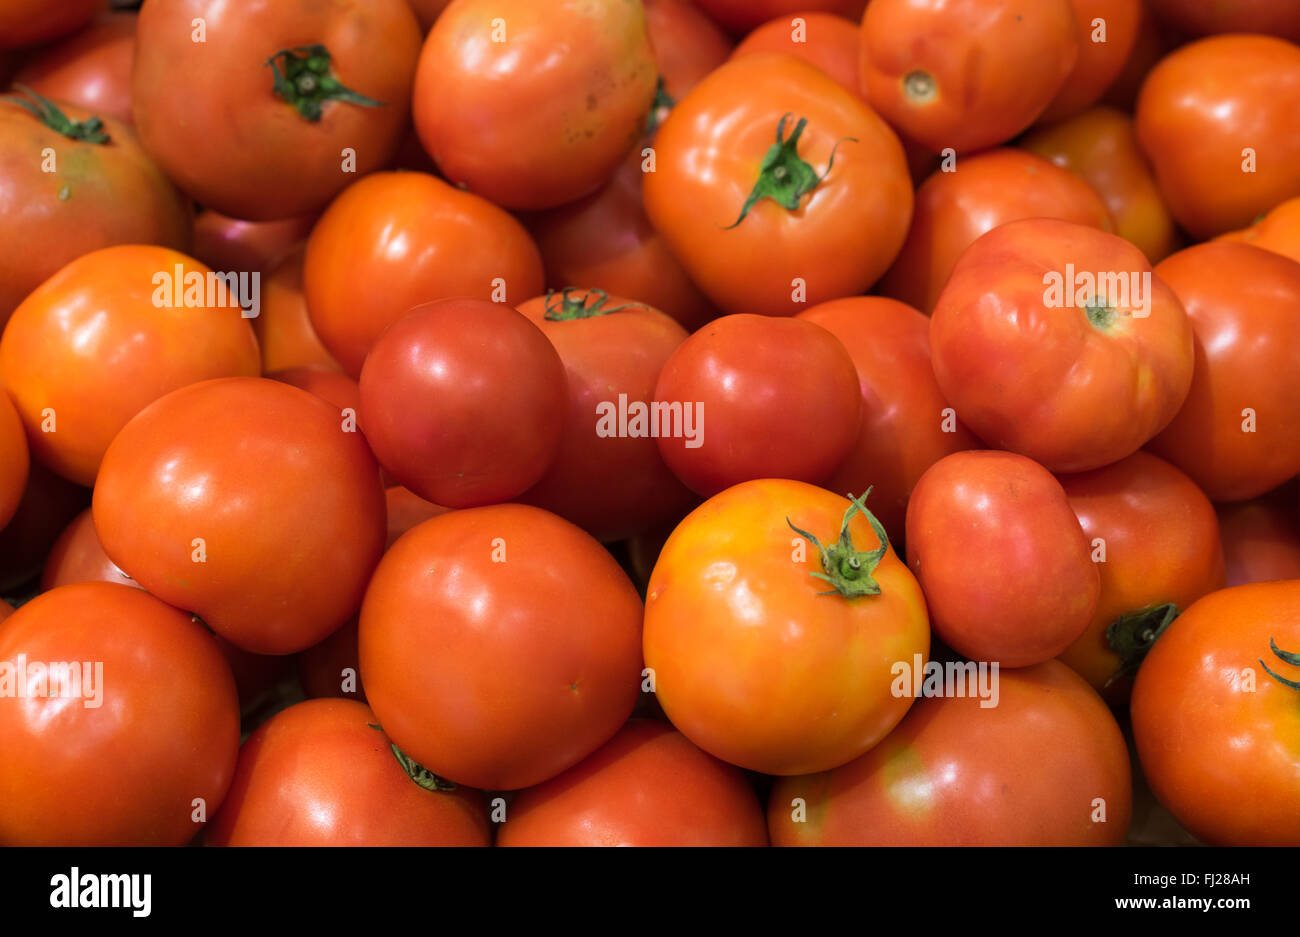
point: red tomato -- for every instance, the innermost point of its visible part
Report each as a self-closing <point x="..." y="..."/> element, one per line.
<point x="280" y="104"/>
<point x="284" y="331"/>
<point x="5" y="609"/>
<point x="1001" y="557"/>
<point x="1046" y="766"/>
<point x="740" y="16"/>
<point x="1155" y="541"/>
<point x="405" y="510"/>
<point x="907" y="426"/>
<point x="49" y="503"/>
<point x="1107" y="31"/>
<point x="16" y="460"/>
<point x="752" y="657"/>
<point x="1101" y="146"/>
<point x="28" y="22"/>
<point x="611" y="483"/>
<point x="105" y="336"/>
<point x="1238" y="434"/>
<point x="965" y="74"/>
<point x="759" y="397"/>
<point x="91" y="69"/>
<point x="1278" y="231"/>
<point x="1222" y="109"/>
<point x="1274" y="17"/>
<point x="686" y="44"/>
<point x="823" y="39"/>
<point x="1261" y="540"/>
<point x="322" y="773"/>
<point x="78" y="556"/>
<point x="395" y="240"/>
<point x="156" y="726"/>
<point x="333" y="667"/>
<point x="230" y="244"/>
<point x="1040" y="320"/>
<point x="513" y="663"/>
<point x="954" y="208"/>
<point x="647" y="786"/>
<point x="1214" y="715"/>
<point x="334" y="387"/>
<point x="103" y="190"/>
<point x="506" y="116"/>
<point x="244" y="501"/>
<point x="765" y="227"/>
<point x="463" y="402"/>
<point x="1151" y="44"/>
<point x="428" y="11"/>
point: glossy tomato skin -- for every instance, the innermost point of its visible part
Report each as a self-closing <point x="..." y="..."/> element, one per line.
<point x="285" y="336"/>
<point x="647" y="786"/>
<point x="463" y="402"/>
<point x="150" y="762"/>
<point x="1027" y="772"/>
<point x="1278" y="231"/>
<point x="1238" y="434"/>
<point x="519" y="659"/>
<point x="98" y="194"/>
<point x="709" y="154"/>
<point x="825" y="40"/>
<point x="29" y="22"/>
<point x="1026" y="346"/>
<point x="967" y="74"/>
<point x="1002" y="559"/>
<point x="741" y="16"/>
<point x="769" y="398"/>
<point x="91" y="69"/>
<point x="1107" y="31"/>
<point x="906" y="425"/>
<point x="1154" y="538"/>
<point x="95" y="344"/>
<point x="225" y="243"/>
<point x="611" y="486"/>
<point x="1272" y="17"/>
<point x="260" y="159"/>
<point x="1199" y="111"/>
<point x="989" y="189"/>
<point x="323" y="773"/>
<point x="1261" y="539"/>
<point x="687" y="44"/>
<point x="1210" y="722"/>
<point x="185" y="500"/>
<point x="751" y="661"/>
<point x="504" y="115"/>
<point x="15" y="459"/>
<point x="78" y="556"/>
<point x="397" y="239"/>
<point x="1100" y="145"/>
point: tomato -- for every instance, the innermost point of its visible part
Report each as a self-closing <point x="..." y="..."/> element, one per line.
<point x="1058" y="342"/>
<point x="255" y="246"/>
<point x="428" y="11"/>
<point x="280" y="105"/>
<point x="463" y="402"/>
<point x="686" y="44"/>
<point x="15" y="459"/>
<point x="395" y="240"/>
<point x="513" y="663"/>
<point x="1002" y="559"/>
<point x="49" y="503"/>
<point x="245" y="502"/>
<point x="156" y="726"/>
<point x="753" y="658"/>
<point x="965" y="74"/>
<point x="1220" y="109"/>
<point x="1101" y="146"/>
<point x="756" y="397"/>
<point x="91" y="69"/>
<point x="906" y="426"/>
<point x="100" y="192"/>
<point x="104" y="337"/>
<point x="335" y="388"/>
<point x="78" y="556"/>
<point x="1277" y="231"/>
<point x="607" y="478"/>
<point x="1155" y="541"/>
<point x="647" y="786"/>
<point x="502" y="114"/>
<point x="322" y="773"/>
<point x="1238" y="434"/>
<point x="1046" y="766"/>
<point x="1261" y="539"/>
<point x="1274" y="17"/>
<point x="823" y="39"/>
<point x="1214" y="715"/>
<point x="986" y="190"/>
<point x="1151" y="44"/>
<point x="741" y="16"/>
<point x="332" y="668"/>
<point x="405" y="510"/>
<point x="285" y="335"/>
<point x="1107" y="31"/>
<point x="765" y="227"/>
<point x="28" y="22"/>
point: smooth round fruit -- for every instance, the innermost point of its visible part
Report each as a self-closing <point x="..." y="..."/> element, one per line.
<point x="1107" y="31"/>
<point x="91" y="68"/>
<point x="1261" y="539"/>
<point x="825" y="40"/>
<point x="285" y="335"/>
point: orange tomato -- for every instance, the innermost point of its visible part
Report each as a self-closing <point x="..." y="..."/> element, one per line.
<point x="284" y="333"/>
<point x="1278" y="231"/>
<point x="830" y="42"/>
<point x="743" y="15"/>
<point x="687" y="44"/>
<point x="1107" y="32"/>
<point x="91" y="68"/>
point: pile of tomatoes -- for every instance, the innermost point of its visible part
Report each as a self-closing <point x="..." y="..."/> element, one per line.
<point x="728" y="422"/>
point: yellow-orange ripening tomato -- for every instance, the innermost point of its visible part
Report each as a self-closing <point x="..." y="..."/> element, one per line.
<point x="966" y="74"/>
<point x="1217" y="120"/>
<point x="534" y="104"/>
<point x="109" y="334"/>
<point x="777" y="188"/>
<point x="777" y="617"/>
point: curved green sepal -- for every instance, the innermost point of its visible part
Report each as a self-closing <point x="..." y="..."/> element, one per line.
<point x="1132" y="635"/>
<point x="302" y="77"/>
<point x="783" y="176"/>
<point x="564" y="306"/>
<point x="847" y="569"/>
<point x="1285" y="656"/>
<point x="90" y="130"/>
<point x="659" y="108"/>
